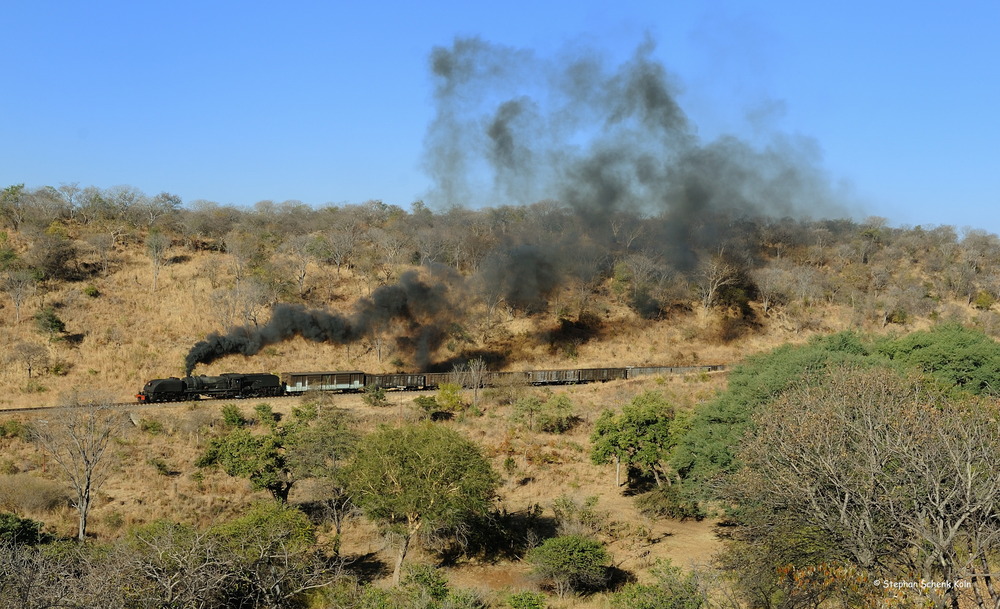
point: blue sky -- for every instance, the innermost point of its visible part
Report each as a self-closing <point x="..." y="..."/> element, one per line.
<point x="330" y="102"/>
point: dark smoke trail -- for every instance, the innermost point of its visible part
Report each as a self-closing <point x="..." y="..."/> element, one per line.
<point x="603" y="140"/>
<point x="410" y="300"/>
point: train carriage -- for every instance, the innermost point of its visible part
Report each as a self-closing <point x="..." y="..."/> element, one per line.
<point x="300" y="382"/>
<point x="602" y="375"/>
<point x="436" y="379"/>
<point x="553" y="377"/>
<point x="408" y="382"/>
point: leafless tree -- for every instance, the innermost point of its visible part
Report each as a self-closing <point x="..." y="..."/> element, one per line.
<point x="77" y="440"/>
<point x="471" y="375"/>
<point x="31" y="356"/>
<point x="770" y="282"/>
<point x="103" y="244"/>
<point x="157" y="245"/>
<point x="714" y="274"/>
<point x="903" y="479"/>
<point x="244" y="251"/>
<point x="301" y="250"/>
<point x="30" y="579"/>
<point x="340" y="246"/>
<point x="245" y="303"/>
<point x="20" y="285"/>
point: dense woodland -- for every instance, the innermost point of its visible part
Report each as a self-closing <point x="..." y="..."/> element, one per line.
<point x="849" y="451"/>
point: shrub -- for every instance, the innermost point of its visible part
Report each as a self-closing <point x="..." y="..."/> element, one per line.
<point x="27" y="493"/>
<point x="375" y="396"/>
<point x="161" y="467"/>
<point x="983" y="300"/>
<point x="232" y="416"/>
<point x="15" y="429"/>
<point x="425" y="582"/>
<point x="449" y="397"/>
<point x="91" y="291"/>
<point x="17" y="530"/>
<point x="554" y="415"/>
<point x="571" y="563"/>
<point x="265" y="414"/>
<point x="672" y="590"/>
<point x="557" y="415"/>
<point x="151" y="426"/>
<point x="526" y="600"/>
<point x="48" y="322"/>
<point x="669" y="502"/>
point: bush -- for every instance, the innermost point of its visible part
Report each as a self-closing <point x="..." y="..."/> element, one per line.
<point x="557" y="415"/>
<point x="15" y="429"/>
<point x="151" y="426"/>
<point x="26" y="493"/>
<point x="526" y="600"/>
<point x="672" y="590"/>
<point x="91" y="291"/>
<point x="232" y="416"/>
<point x="426" y="403"/>
<point x="669" y="502"/>
<point x="449" y="397"/>
<point x="265" y="414"/>
<point x="554" y="415"/>
<point x="161" y="467"/>
<point x="17" y="530"/>
<point x="48" y="322"/>
<point x="375" y="396"/>
<point x="425" y="582"/>
<point x="571" y="563"/>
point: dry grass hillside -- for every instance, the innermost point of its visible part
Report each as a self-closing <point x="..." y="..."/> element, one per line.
<point x="120" y="332"/>
<point x="154" y="477"/>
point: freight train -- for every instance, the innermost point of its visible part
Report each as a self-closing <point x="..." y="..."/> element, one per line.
<point x="233" y="386"/>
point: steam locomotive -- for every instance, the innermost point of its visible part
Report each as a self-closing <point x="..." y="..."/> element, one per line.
<point x="235" y="386"/>
<point x="224" y="386"/>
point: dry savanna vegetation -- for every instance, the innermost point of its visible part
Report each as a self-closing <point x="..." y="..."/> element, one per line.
<point x="763" y="486"/>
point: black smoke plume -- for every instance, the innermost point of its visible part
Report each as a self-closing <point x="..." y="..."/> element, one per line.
<point x="419" y="305"/>
<point x="515" y="128"/>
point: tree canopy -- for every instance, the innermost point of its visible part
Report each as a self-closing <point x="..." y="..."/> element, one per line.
<point x="420" y="477"/>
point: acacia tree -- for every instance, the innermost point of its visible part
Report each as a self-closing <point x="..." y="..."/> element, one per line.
<point x="30" y="355"/>
<point x="418" y="478"/>
<point x="77" y="440"/>
<point x="640" y="436"/>
<point x="882" y="472"/>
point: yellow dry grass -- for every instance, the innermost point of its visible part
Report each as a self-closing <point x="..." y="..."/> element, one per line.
<point x="128" y="334"/>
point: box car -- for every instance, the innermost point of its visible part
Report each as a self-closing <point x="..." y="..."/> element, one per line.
<point x="300" y="382"/>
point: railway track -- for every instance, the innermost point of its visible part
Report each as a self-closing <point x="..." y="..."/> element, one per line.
<point x="635" y="372"/>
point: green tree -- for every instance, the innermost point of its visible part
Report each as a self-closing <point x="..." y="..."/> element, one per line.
<point x="12" y="205"/>
<point x="570" y="563"/>
<point x="707" y="449"/>
<point x="418" y="478"/>
<point x="639" y="437"/>
<point x="49" y="322"/>
<point x="261" y="459"/>
<point x="955" y="355"/>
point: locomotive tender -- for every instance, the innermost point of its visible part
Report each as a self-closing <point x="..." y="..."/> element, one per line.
<point x="231" y="385"/>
